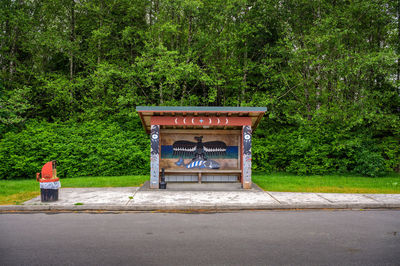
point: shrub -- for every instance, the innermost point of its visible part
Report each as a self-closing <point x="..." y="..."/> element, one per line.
<point x="369" y="163"/>
<point x="90" y="148"/>
<point x="122" y="148"/>
<point x="321" y="148"/>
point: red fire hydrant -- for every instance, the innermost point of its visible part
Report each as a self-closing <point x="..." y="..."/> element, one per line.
<point x="49" y="182"/>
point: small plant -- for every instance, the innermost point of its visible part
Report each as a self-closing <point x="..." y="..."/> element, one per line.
<point x="130" y="197"/>
<point x="370" y="163"/>
<point x="78" y="203"/>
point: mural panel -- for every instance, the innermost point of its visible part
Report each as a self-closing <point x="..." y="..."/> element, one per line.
<point x="200" y="151"/>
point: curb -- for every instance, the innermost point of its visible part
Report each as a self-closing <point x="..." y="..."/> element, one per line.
<point x="225" y="207"/>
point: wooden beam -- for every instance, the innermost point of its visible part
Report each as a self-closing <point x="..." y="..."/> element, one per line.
<point x="202" y="131"/>
<point x="143" y="123"/>
<point x="260" y="116"/>
<point x="200" y="121"/>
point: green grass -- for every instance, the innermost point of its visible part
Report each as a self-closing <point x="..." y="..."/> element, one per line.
<point x="18" y="191"/>
<point x="105" y="181"/>
<point x="328" y="183"/>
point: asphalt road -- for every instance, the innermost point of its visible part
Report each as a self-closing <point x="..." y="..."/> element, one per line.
<point x="242" y="238"/>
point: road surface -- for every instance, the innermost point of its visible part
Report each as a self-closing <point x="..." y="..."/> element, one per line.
<point x="241" y="238"/>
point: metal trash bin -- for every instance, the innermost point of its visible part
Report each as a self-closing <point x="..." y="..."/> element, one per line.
<point x="162" y="184"/>
<point x="49" y="182"/>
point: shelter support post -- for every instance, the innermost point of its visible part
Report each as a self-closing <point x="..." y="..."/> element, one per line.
<point x="246" y="157"/>
<point x="155" y="156"/>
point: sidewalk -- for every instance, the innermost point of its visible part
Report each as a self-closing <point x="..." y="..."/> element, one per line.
<point x="223" y="197"/>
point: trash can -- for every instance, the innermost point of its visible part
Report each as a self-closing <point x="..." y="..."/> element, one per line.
<point x="49" y="191"/>
<point x="162" y="184"/>
<point x="49" y="182"/>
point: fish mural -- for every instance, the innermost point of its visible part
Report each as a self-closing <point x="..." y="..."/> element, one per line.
<point x="199" y="151"/>
<point x="200" y="164"/>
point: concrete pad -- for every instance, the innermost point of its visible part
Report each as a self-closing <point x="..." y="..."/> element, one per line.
<point x="346" y="198"/>
<point x="193" y="198"/>
<point x="385" y="198"/>
<point x="90" y="196"/>
<point x="298" y="198"/>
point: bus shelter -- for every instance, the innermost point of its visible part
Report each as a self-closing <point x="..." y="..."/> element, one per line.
<point x="200" y="144"/>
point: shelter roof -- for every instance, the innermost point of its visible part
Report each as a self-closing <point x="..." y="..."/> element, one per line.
<point x="198" y="117"/>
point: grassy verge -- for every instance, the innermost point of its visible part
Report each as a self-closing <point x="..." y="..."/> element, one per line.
<point x="328" y="183"/>
<point x="18" y="191"/>
<point x="105" y="181"/>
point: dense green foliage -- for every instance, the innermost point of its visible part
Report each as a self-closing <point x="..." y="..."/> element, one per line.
<point x="90" y="148"/>
<point x="322" y="149"/>
<point x="72" y="73"/>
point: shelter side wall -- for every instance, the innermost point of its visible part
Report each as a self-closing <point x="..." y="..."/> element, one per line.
<point x="246" y="165"/>
<point x="155" y="156"/>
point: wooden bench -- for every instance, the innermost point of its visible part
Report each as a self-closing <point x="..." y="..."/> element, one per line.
<point x="201" y="172"/>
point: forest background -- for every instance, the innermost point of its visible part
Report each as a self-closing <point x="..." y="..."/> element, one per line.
<point x="72" y="73"/>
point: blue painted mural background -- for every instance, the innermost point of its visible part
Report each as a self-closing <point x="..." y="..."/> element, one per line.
<point x="167" y="153"/>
